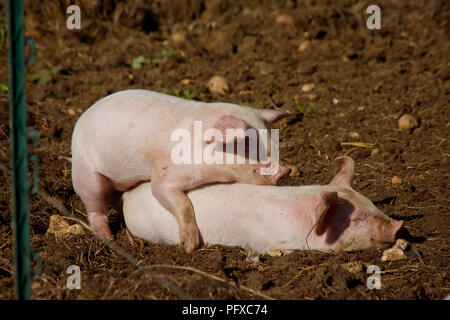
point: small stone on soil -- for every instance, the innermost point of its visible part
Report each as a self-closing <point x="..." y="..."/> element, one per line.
<point x="307" y="87"/>
<point x="218" y="84"/>
<point x="284" y="19"/>
<point x="396" y="180"/>
<point x="303" y="46"/>
<point x="354" y="135"/>
<point x="274" y="253"/>
<point x="407" y="122"/>
<point x="353" y="267"/>
<point x="393" y="254"/>
<point x="375" y="152"/>
<point x="397" y="252"/>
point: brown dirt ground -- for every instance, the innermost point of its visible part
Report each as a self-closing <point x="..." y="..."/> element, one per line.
<point x="376" y="76"/>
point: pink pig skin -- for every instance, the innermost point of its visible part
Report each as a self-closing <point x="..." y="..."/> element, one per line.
<point x="327" y="218"/>
<point x="125" y="139"/>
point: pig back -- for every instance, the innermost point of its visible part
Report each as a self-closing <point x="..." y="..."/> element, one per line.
<point x="131" y="114"/>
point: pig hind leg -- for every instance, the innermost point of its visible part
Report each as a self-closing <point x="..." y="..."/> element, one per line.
<point x="94" y="190"/>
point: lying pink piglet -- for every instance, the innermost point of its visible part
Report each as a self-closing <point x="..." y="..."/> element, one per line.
<point x="125" y="139"/>
<point x="326" y="218"/>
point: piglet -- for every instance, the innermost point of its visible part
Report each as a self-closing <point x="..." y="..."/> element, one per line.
<point x="327" y="218"/>
<point x="126" y="138"/>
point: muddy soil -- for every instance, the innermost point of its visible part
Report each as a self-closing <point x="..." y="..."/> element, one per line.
<point x="364" y="81"/>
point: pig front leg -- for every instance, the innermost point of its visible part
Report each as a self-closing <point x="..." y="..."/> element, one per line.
<point x="177" y="203"/>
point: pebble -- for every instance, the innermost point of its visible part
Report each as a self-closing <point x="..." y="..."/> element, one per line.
<point x="307" y="87"/>
<point x="284" y="19"/>
<point x="71" y="112"/>
<point x="396" y="180"/>
<point x="375" y="152"/>
<point x="303" y="46"/>
<point x="354" y="135"/>
<point x="178" y="37"/>
<point x="393" y="254"/>
<point x="353" y="267"/>
<point x="185" y="82"/>
<point x="407" y="122"/>
<point x="218" y="84"/>
<point x="274" y="253"/>
<point x="397" y="252"/>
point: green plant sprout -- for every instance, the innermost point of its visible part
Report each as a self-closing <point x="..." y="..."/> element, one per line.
<point x="310" y="108"/>
<point x="163" y="56"/>
<point x="43" y="76"/>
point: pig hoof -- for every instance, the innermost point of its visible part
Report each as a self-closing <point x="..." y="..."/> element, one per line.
<point x="189" y="246"/>
<point x="189" y="237"/>
<point x="190" y="243"/>
<point x="105" y="232"/>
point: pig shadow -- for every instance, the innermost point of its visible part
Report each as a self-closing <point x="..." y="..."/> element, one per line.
<point x="405" y="234"/>
<point x="338" y="219"/>
<point x="408" y="218"/>
<point x="116" y="221"/>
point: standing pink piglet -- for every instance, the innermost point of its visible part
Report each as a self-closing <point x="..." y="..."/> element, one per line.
<point x="125" y="139"/>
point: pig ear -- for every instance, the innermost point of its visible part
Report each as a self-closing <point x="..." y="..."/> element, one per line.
<point x="345" y="175"/>
<point x="271" y="116"/>
<point x="325" y="210"/>
<point x="230" y="122"/>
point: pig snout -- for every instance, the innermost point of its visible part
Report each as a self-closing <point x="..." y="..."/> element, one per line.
<point x="386" y="230"/>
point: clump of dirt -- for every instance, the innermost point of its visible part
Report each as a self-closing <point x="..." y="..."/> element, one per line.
<point x="363" y="82"/>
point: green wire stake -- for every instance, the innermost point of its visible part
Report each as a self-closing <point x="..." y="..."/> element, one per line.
<point x="19" y="154"/>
